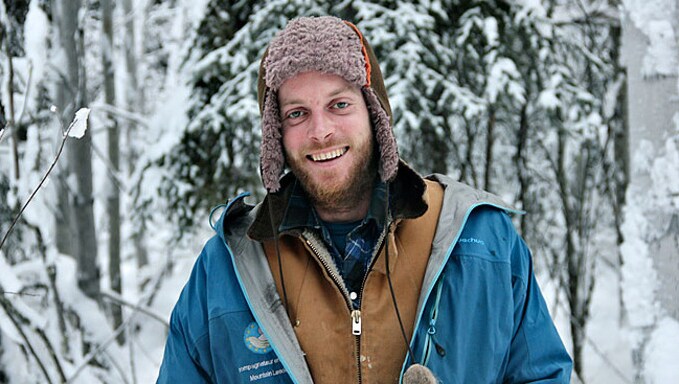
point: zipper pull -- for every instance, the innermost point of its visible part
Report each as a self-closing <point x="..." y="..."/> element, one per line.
<point x="356" y="322"/>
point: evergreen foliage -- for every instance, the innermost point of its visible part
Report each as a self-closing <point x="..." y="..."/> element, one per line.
<point x="218" y="155"/>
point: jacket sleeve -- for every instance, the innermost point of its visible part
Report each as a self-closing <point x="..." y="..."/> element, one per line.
<point x="180" y="360"/>
<point x="537" y="354"/>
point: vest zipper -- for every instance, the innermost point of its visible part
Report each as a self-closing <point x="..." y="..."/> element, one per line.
<point x="355" y="314"/>
<point x="356" y="322"/>
<point x="333" y="275"/>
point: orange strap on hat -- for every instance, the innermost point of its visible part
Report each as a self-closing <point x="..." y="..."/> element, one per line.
<point x="365" y="52"/>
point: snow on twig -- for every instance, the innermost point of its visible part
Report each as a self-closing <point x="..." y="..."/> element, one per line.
<point x="78" y="126"/>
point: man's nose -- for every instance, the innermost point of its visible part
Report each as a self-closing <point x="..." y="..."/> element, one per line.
<point x="321" y="128"/>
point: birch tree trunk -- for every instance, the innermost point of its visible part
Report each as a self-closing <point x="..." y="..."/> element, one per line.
<point x="113" y="191"/>
<point x="63" y="99"/>
<point x="134" y="103"/>
<point x="71" y="96"/>
<point x="6" y="42"/>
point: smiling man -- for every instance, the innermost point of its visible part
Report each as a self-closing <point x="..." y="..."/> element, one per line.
<point x="328" y="143"/>
<point x="354" y="268"/>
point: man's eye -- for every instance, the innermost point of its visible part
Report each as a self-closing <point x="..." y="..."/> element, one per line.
<point x="294" y="114"/>
<point x="341" y="105"/>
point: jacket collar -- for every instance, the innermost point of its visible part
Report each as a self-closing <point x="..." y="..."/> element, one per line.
<point x="406" y="196"/>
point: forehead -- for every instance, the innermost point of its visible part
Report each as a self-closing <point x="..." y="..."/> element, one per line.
<point x="314" y="85"/>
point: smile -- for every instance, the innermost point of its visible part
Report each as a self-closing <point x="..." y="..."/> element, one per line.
<point x="331" y="155"/>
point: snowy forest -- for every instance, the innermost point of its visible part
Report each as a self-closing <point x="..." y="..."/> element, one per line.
<point x="123" y="123"/>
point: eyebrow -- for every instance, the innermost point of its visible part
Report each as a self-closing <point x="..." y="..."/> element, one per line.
<point x="334" y="93"/>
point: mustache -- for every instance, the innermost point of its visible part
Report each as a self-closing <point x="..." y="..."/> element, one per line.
<point x="324" y="146"/>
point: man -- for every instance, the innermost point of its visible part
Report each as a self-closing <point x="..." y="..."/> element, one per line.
<point x="354" y="268"/>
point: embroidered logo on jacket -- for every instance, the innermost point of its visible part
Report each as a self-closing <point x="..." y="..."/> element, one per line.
<point x="255" y="339"/>
<point x="472" y="240"/>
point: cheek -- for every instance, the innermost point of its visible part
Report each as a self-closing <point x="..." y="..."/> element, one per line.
<point x="293" y="140"/>
<point x="364" y="132"/>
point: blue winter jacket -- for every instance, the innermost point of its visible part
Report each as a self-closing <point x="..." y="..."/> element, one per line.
<point x="481" y="315"/>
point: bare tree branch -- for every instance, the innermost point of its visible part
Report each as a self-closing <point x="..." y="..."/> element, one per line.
<point x="112" y="296"/>
<point x="101" y="347"/>
<point x="42" y="181"/>
<point x="11" y="312"/>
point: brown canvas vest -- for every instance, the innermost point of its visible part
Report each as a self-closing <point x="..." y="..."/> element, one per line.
<point x="320" y="313"/>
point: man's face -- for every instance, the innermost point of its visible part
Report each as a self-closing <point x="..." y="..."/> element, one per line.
<point x="327" y="138"/>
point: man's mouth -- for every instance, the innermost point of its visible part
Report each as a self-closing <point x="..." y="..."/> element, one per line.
<point x="326" y="156"/>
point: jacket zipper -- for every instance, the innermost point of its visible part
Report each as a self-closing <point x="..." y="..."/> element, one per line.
<point x="355" y="314"/>
<point x="431" y="331"/>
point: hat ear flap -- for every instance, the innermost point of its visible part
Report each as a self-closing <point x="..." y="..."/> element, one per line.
<point x="271" y="160"/>
<point x="384" y="135"/>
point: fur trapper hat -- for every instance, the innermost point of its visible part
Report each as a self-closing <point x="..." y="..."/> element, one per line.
<point x="330" y="45"/>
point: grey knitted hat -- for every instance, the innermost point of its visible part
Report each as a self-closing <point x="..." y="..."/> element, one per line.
<point x="329" y="45"/>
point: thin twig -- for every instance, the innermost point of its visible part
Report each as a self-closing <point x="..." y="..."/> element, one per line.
<point x="127" y="115"/>
<point x="42" y="181"/>
<point x="19" y="293"/>
<point x="86" y="360"/>
<point x="117" y="367"/>
<point x="28" y="90"/>
<point x="51" y="271"/>
<point x="9" y="309"/>
<point x="596" y="349"/>
<point x="130" y="349"/>
<point x="119" y="300"/>
<point x="115" y="175"/>
<point x="112" y="337"/>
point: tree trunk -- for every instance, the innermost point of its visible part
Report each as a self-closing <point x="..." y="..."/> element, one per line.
<point x="134" y="103"/>
<point x="63" y="99"/>
<point x="72" y="96"/>
<point x="113" y="191"/>
<point x="620" y="172"/>
<point x="520" y="160"/>
<point x="490" y="139"/>
<point x="10" y="94"/>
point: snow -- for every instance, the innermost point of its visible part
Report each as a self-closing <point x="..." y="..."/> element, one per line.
<point x="491" y="32"/>
<point x="639" y="276"/>
<point x="36" y="43"/>
<point x="661" y="57"/>
<point x="503" y="76"/>
<point x="79" y="124"/>
<point x="661" y="353"/>
<point x="655" y="19"/>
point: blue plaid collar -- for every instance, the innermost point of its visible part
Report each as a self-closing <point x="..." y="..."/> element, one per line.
<point x="301" y="214"/>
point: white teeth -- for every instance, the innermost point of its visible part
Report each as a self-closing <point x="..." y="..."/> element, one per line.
<point x="329" y="155"/>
